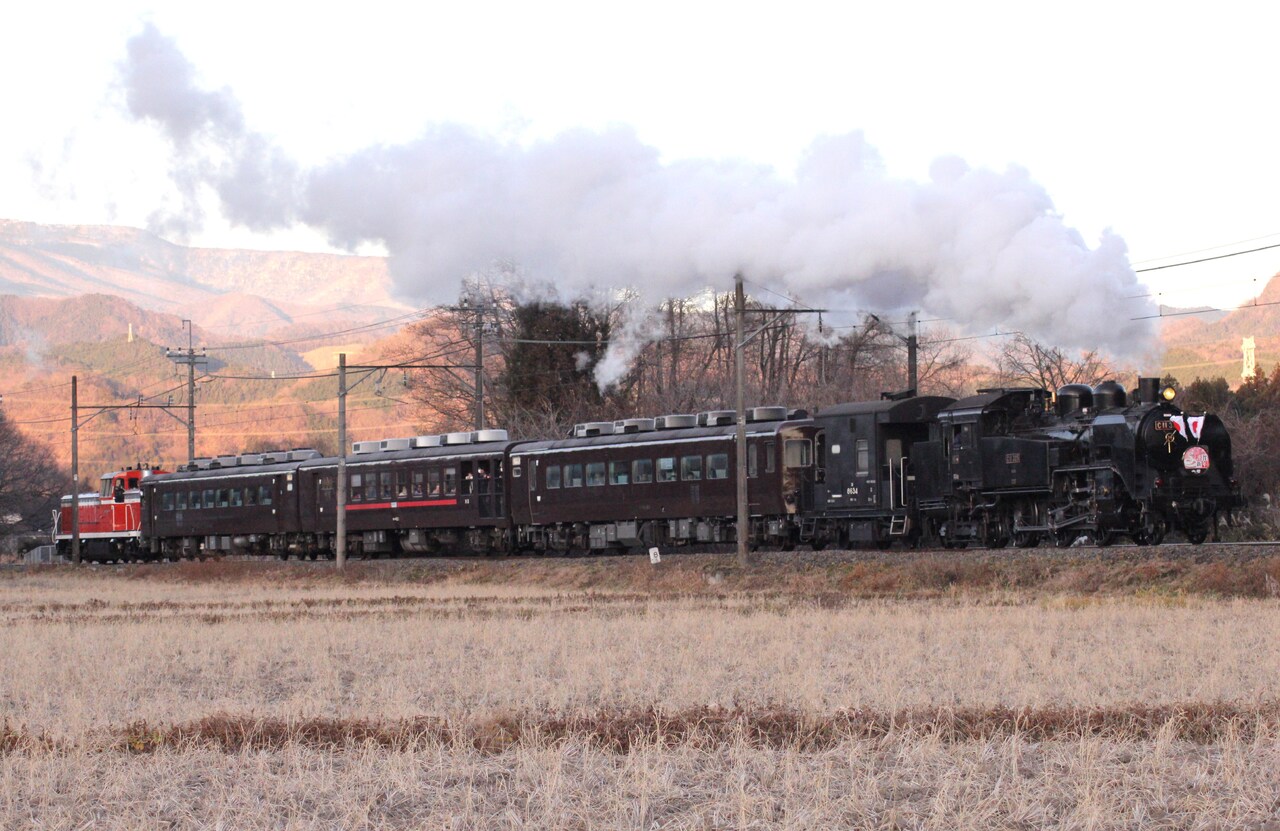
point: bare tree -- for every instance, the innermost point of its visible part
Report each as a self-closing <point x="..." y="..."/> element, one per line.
<point x="1023" y="360"/>
<point x="30" y="483"/>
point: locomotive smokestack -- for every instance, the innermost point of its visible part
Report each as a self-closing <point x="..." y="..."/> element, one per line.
<point x="1148" y="390"/>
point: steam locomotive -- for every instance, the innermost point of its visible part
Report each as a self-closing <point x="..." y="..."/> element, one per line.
<point x="1009" y="465"/>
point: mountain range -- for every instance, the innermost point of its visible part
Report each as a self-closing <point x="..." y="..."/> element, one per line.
<point x="103" y="303"/>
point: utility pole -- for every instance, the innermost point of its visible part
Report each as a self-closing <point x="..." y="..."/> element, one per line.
<point x="480" y="367"/>
<point x="744" y="519"/>
<point x="340" y="533"/>
<point x="913" y="381"/>
<point x="190" y="358"/>
<point x="75" y="475"/>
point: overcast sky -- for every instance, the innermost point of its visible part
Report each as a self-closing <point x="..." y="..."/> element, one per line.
<point x="1154" y="120"/>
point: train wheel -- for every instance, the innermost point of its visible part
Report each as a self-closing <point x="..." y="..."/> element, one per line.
<point x="1196" y="536"/>
<point x="1026" y="539"/>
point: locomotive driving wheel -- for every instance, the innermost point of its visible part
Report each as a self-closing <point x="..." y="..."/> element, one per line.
<point x="1151" y="529"/>
<point x="1197" y="535"/>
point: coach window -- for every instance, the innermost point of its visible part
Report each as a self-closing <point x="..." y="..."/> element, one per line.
<point x="667" y="469"/>
<point x="573" y="476"/>
<point x="553" y="477"/>
<point x="642" y="471"/>
<point x="619" y="473"/>
<point x="181" y="501"/>
<point x="264" y="494"/>
<point x="224" y="497"/>
<point x="195" y="502"/>
<point x="419" y="484"/>
<point x="402" y="484"/>
<point x="595" y="474"/>
<point x="770" y="456"/>
<point x="357" y="487"/>
<point x="387" y="490"/>
<point x="797" y="453"/>
<point x="863" y="453"/>
<point x="753" y="469"/>
<point x="237" y="497"/>
<point x="251" y="496"/>
<point x="718" y="466"/>
<point x="450" y="481"/>
<point x="210" y="498"/>
<point x="433" y="482"/>
<point x="166" y="502"/>
<point x="691" y="468"/>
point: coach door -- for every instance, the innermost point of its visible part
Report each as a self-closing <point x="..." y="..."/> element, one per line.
<point x="486" y="498"/>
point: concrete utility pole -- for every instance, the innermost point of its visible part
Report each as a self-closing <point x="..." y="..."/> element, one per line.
<point x="75" y="474"/>
<point x="480" y="367"/>
<point x="740" y="336"/>
<point x="190" y="358"/>
<point x="340" y="533"/>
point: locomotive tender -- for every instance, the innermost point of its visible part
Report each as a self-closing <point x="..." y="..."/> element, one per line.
<point x="1005" y="465"/>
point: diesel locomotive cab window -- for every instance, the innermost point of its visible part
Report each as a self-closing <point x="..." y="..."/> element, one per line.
<point x="595" y="474"/>
<point x="667" y="469"/>
<point x="619" y="473"/>
<point x="862" y="452"/>
<point x="691" y="468"/>
<point x="797" y="453"/>
<point x="553" y="477"/>
<point x="642" y="471"/>
<point x="718" y="466"/>
<point x="573" y="476"/>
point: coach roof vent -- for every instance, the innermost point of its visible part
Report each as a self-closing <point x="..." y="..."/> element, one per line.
<point x="250" y="458"/>
<point x="458" y="438"/>
<point x="633" y="425"/>
<point x="675" y="422"/>
<point x="481" y="436"/>
<point x="717" y="418"/>
<point x="767" y="414"/>
<point x="593" y="428"/>
<point x="395" y="444"/>
<point x="427" y="441"/>
<point x="362" y="447"/>
<point x="301" y="454"/>
<point x="228" y="461"/>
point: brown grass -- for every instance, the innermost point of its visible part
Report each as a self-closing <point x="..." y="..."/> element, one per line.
<point x="826" y="692"/>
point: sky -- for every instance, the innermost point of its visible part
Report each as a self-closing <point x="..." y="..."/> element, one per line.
<point x="1144" y="127"/>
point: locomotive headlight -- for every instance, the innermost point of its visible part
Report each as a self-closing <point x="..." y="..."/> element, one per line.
<point x="1196" y="459"/>
<point x="1169" y="393"/>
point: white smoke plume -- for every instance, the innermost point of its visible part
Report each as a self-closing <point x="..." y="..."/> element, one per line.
<point x="587" y="210"/>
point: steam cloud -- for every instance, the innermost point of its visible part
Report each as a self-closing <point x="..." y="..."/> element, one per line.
<point x="587" y="210"/>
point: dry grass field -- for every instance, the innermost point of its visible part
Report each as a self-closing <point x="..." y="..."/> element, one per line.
<point x="1034" y="690"/>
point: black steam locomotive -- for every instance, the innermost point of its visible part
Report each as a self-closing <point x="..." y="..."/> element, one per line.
<point x="1021" y="466"/>
<point x="1005" y="465"/>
